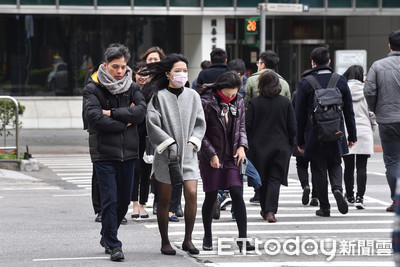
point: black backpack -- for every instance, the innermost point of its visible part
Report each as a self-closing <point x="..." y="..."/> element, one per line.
<point x="327" y="113"/>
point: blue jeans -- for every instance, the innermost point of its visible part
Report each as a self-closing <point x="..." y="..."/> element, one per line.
<point x="253" y="177"/>
<point x="390" y="140"/>
<point x="115" y="180"/>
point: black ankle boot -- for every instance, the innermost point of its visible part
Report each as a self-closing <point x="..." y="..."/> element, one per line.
<point x="207" y="243"/>
<point x="249" y="247"/>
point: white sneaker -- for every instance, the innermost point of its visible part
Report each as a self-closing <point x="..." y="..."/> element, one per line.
<point x="359" y="203"/>
<point x="149" y="203"/>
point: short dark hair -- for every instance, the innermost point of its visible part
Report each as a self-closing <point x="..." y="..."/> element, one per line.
<point x="236" y="65"/>
<point x="115" y="51"/>
<point x="270" y="59"/>
<point x="320" y="55"/>
<point x="205" y="64"/>
<point x="218" y="55"/>
<point x="354" y="72"/>
<point x="269" y="84"/>
<point x="394" y="40"/>
<point x="154" y="49"/>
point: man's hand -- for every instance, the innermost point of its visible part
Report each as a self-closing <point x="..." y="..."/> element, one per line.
<point x="300" y="149"/>
<point x="214" y="162"/>
<point x="107" y="112"/>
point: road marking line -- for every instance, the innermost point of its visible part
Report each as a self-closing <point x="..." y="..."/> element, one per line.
<point x="71" y="259"/>
<point x="85" y="195"/>
<point x="304" y="263"/>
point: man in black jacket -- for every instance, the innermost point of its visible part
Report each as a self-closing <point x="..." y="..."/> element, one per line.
<point x="113" y="106"/>
<point x="218" y="66"/>
<point x="324" y="156"/>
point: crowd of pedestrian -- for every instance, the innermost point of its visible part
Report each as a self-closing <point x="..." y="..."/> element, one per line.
<point x="151" y="134"/>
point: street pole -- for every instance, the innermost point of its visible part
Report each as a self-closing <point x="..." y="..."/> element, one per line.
<point x="263" y="26"/>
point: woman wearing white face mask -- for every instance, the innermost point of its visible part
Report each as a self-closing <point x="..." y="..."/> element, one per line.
<point x="175" y="126"/>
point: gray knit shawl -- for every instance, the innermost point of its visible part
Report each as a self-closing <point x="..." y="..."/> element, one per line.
<point x="115" y="87"/>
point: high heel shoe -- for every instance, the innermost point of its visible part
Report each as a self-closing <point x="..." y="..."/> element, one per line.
<point x="192" y="250"/>
<point x="207" y="244"/>
<point x="249" y="247"/>
<point x="168" y="252"/>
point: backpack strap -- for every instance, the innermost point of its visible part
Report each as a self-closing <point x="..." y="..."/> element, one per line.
<point x="333" y="80"/>
<point x="313" y="82"/>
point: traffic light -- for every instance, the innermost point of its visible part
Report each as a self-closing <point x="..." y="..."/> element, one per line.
<point x="251" y="31"/>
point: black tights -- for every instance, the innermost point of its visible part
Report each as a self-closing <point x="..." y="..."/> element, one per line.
<point x="239" y="210"/>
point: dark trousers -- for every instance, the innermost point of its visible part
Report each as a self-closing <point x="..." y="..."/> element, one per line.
<point x="390" y="140"/>
<point x="269" y="194"/>
<point x="348" y="176"/>
<point x="115" y="182"/>
<point x="302" y="172"/>
<point x="141" y="182"/>
<point x="323" y="165"/>
<point x="96" y="199"/>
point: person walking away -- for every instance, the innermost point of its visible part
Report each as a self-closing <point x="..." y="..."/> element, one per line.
<point x="222" y="151"/>
<point x="325" y="153"/>
<point x="175" y="126"/>
<point x="113" y="107"/>
<point x="382" y="92"/>
<point x="271" y="140"/>
<point x="359" y="154"/>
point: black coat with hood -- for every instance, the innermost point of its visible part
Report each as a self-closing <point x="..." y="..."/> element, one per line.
<point x="109" y="136"/>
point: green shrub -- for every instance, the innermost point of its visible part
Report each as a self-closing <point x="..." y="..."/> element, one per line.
<point x="7" y="116"/>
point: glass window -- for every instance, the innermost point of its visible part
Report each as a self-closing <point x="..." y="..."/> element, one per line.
<point x="38" y="2"/>
<point x="367" y="3"/>
<point x="283" y="1"/>
<point x="149" y="3"/>
<point x="313" y="3"/>
<point x="248" y="3"/>
<point x="339" y="3"/>
<point x="8" y="2"/>
<point x="54" y="54"/>
<point x="194" y="3"/>
<point x="76" y="2"/>
<point x="218" y="3"/>
<point x="114" y="2"/>
<point x="390" y="3"/>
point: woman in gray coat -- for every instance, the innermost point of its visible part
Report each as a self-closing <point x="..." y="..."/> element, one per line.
<point x="359" y="154"/>
<point x="175" y="125"/>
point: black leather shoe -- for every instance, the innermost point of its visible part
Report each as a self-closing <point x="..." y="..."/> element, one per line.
<point x="124" y="221"/>
<point x="323" y="213"/>
<point x="107" y="250"/>
<point x="192" y="250"/>
<point x="117" y="254"/>
<point x="168" y="252"/>
<point x="343" y="207"/>
<point x="207" y="244"/>
<point x="98" y="218"/>
<point x="306" y="195"/>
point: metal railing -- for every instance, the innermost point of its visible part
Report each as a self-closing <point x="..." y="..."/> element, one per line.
<point x="4" y="129"/>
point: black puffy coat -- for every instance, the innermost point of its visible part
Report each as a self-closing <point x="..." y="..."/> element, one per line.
<point x="109" y="136"/>
<point x="215" y="138"/>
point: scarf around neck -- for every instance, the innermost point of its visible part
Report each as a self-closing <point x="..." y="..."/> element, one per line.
<point x="115" y="87"/>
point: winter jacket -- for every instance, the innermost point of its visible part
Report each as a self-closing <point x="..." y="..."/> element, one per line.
<point x="307" y="135"/>
<point x="215" y="138"/>
<point x="109" y="136"/>
<point x="179" y="120"/>
<point x="271" y="128"/>
<point x="364" y="122"/>
<point x="252" y="85"/>
<point x="211" y="74"/>
<point x="382" y="89"/>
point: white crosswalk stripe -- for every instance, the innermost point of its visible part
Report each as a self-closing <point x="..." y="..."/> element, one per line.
<point x="362" y="236"/>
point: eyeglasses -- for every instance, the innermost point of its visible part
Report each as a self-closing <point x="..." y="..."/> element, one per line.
<point x="259" y="62"/>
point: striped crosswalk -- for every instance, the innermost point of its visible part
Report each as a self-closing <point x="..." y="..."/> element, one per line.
<point x="360" y="238"/>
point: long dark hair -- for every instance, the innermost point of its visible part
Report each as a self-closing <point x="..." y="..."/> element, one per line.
<point x="354" y="72"/>
<point x="156" y="70"/>
<point x="228" y="79"/>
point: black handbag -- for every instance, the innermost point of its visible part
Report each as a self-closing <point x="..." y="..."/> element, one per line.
<point x="243" y="167"/>
<point x="174" y="168"/>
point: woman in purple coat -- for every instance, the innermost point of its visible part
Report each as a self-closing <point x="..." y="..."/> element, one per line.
<point x="222" y="150"/>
